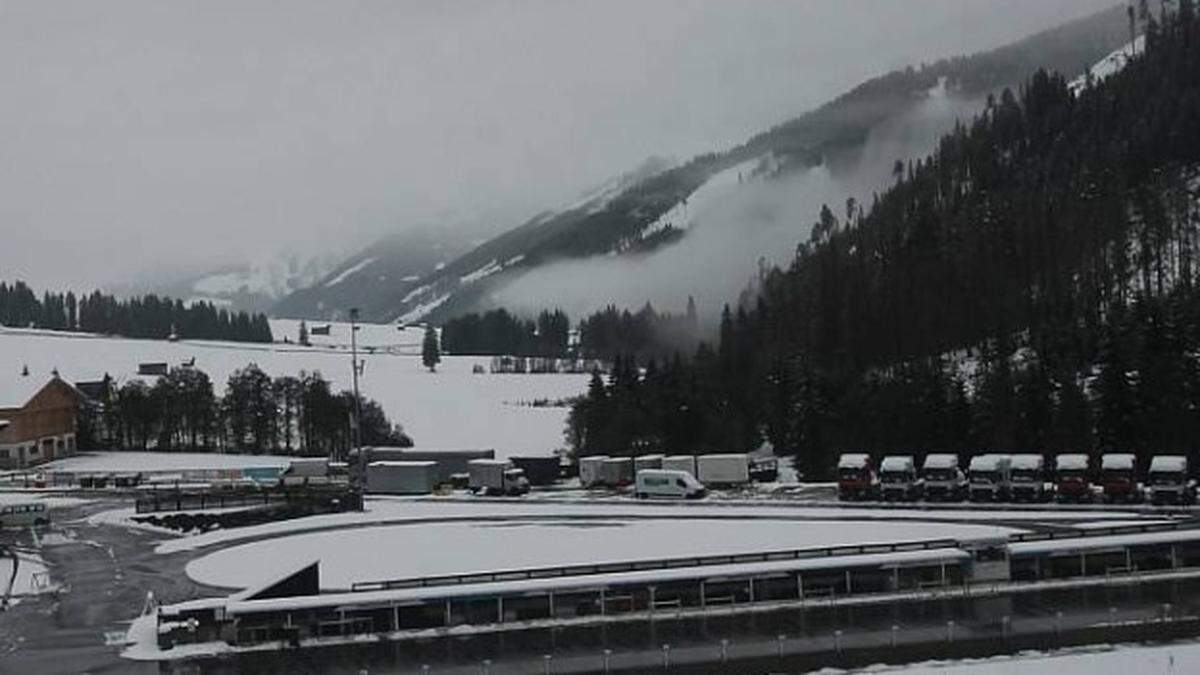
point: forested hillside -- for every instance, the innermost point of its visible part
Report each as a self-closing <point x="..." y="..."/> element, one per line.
<point x="1030" y="286"/>
<point x="146" y="316"/>
<point x="622" y="221"/>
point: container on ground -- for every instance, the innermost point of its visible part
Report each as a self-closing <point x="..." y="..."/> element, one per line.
<point x="591" y="470"/>
<point x="647" y="462"/>
<point x="617" y="471"/>
<point x="723" y="470"/>
<point x="401" y="478"/>
<point x="539" y="470"/>
<point x="680" y="463"/>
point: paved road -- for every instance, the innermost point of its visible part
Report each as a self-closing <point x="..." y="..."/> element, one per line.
<point x="105" y="573"/>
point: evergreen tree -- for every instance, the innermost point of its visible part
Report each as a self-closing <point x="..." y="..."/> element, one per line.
<point x="431" y="353"/>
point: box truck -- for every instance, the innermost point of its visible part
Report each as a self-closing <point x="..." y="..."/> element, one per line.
<point x="591" y="470"/>
<point x="723" y="470"/>
<point x="402" y="478"/>
<point x="944" y="480"/>
<point x="496" y="477"/>
<point x="856" y="477"/>
<point x="680" y="463"/>
<point x="1072" y="478"/>
<point x="668" y="483"/>
<point x="1169" y="482"/>
<point x="898" y="479"/>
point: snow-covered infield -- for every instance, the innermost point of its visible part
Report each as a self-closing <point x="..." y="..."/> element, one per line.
<point x="115" y="462"/>
<point x="452" y="408"/>
<point x="418" y="549"/>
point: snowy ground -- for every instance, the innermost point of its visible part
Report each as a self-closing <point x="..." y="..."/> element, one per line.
<point x="32" y="576"/>
<point x="452" y="408"/>
<point x="1171" y="659"/>
<point x="161" y="461"/>
<point x="450" y="548"/>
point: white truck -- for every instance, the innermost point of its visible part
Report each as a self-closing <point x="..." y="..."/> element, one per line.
<point x="944" y="480"/>
<point x="1028" y="479"/>
<point x="724" y="470"/>
<point x="668" y="483"/>
<point x="898" y="479"/>
<point x="496" y="477"/>
<point x="856" y="477"/>
<point x="989" y="475"/>
<point x="1169" y="480"/>
<point x="591" y="470"/>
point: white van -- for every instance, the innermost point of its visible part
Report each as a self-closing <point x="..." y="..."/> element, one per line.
<point x="668" y="483"/>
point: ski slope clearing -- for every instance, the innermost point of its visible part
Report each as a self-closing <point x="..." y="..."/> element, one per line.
<point x="398" y="551"/>
<point x="452" y="408"/>
<point x="1171" y="659"/>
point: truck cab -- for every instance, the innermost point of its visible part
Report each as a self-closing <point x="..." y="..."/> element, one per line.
<point x="898" y="479"/>
<point x="944" y="480"/>
<point x="1028" y="478"/>
<point x="1118" y="478"/>
<point x="669" y="484"/>
<point x="856" y="477"/>
<point x="1169" y="482"/>
<point x="1073" y="482"/>
<point x="989" y="475"/>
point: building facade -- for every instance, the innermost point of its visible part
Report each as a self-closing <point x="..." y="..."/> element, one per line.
<point x="40" y="428"/>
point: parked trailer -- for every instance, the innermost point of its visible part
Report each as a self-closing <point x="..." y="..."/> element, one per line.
<point x="308" y="466"/>
<point x="591" y="470"/>
<point x="1028" y="479"/>
<point x="1072" y="476"/>
<point x="1169" y="482"/>
<point x="617" y="471"/>
<point x="449" y="461"/>
<point x="402" y="478"/>
<point x="1118" y="478"/>
<point x="990" y="477"/>
<point x="642" y="462"/>
<point x="898" y="479"/>
<point x="680" y="463"/>
<point x="539" y="470"/>
<point x="496" y="477"/>
<point x="944" y="480"/>
<point x="723" y="470"/>
<point x="666" y="483"/>
<point x="856" y="477"/>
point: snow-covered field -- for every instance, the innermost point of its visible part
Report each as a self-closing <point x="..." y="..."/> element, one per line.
<point x="452" y="408"/>
<point x="1170" y="659"/>
<point x="388" y="552"/>
<point x="162" y="461"/>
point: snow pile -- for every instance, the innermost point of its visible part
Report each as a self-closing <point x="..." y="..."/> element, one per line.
<point x="1108" y="66"/>
<point x="357" y="267"/>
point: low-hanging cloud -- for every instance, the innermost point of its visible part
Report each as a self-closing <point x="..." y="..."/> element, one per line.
<point x="758" y="221"/>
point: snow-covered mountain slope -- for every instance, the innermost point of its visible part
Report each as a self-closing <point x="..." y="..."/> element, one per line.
<point x="1109" y="65"/>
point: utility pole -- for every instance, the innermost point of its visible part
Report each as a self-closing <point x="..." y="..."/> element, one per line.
<point x="354" y="369"/>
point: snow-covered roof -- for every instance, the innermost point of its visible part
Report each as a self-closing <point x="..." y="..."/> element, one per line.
<point x="988" y="462"/>
<point x="1168" y="463"/>
<point x="1072" y="462"/>
<point x="650" y="457"/>
<point x="1118" y="460"/>
<point x="404" y="464"/>
<point x="19" y="389"/>
<point x="739" y="455"/>
<point x="941" y="461"/>
<point x="485" y="462"/>
<point x="1028" y="462"/>
<point x="618" y="460"/>
<point x="853" y="460"/>
<point x="1102" y="542"/>
<point x="897" y="463"/>
<point x="593" y="459"/>
<point x="579" y="583"/>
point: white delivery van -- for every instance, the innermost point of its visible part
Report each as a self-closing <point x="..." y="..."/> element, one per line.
<point x="668" y="483"/>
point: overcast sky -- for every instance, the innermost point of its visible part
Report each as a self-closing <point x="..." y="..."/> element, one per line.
<point x="160" y="135"/>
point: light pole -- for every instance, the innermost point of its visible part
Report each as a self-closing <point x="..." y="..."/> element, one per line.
<point x="357" y="432"/>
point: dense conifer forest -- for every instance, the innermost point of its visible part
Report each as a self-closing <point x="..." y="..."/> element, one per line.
<point x="148" y="316"/>
<point x="1030" y="286"/>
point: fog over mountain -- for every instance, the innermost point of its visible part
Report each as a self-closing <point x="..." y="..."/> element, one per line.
<point x="151" y="138"/>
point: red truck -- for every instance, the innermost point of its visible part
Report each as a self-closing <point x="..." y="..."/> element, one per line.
<point x="856" y="477"/>
<point x="1118" y="477"/>
<point x="1072" y="478"/>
